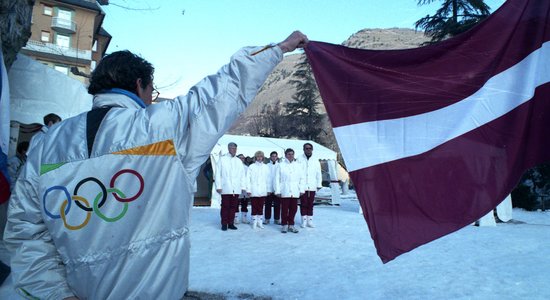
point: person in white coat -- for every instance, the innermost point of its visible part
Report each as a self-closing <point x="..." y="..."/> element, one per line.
<point x="259" y="183"/>
<point x="230" y="182"/>
<point x="102" y="207"/>
<point x="313" y="182"/>
<point x="272" y="201"/>
<point x="289" y="186"/>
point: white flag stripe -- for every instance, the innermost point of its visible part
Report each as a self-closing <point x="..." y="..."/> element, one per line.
<point x="371" y="143"/>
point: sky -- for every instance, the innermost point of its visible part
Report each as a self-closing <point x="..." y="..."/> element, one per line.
<point x="337" y="260"/>
<point x="187" y="40"/>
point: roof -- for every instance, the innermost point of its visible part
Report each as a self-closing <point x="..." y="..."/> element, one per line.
<point x="82" y="3"/>
<point x="248" y="145"/>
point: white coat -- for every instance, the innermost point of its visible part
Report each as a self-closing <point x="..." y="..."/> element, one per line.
<point x="259" y="178"/>
<point x="230" y="175"/>
<point x="272" y="170"/>
<point x="289" y="179"/>
<point x="110" y="220"/>
<point x="312" y="172"/>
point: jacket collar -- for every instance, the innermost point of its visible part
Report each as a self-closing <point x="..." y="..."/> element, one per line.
<point x="114" y="100"/>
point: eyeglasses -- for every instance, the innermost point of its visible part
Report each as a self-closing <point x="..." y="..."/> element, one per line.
<point x="155" y="94"/>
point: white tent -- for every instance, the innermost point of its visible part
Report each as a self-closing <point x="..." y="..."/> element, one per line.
<point x="248" y="145"/>
<point x="37" y="90"/>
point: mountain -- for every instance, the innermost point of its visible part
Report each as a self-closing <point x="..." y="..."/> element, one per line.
<point x="277" y="90"/>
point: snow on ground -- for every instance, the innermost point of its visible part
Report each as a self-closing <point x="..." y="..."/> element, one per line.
<point x="337" y="259"/>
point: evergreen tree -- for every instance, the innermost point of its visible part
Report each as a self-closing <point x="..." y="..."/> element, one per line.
<point x="304" y="118"/>
<point x="452" y="18"/>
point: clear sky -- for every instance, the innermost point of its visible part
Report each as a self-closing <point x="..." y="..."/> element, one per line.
<point x="187" y="40"/>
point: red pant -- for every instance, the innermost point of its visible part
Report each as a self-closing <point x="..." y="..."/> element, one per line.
<point x="229" y="207"/>
<point x="289" y="207"/>
<point x="257" y="205"/>
<point x="244" y="205"/>
<point x="306" y="203"/>
<point x="274" y="201"/>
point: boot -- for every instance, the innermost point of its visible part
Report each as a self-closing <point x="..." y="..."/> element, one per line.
<point x="277" y="221"/>
<point x="245" y="218"/>
<point x="292" y="229"/>
<point x="266" y="221"/>
<point x="236" y="221"/>
<point x="304" y="221"/>
<point x="260" y="225"/>
<point x="254" y="222"/>
<point x="310" y="221"/>
<point x="285" y="229"/>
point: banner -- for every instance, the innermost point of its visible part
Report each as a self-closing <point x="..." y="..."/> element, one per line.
<point x="436" y="137"/>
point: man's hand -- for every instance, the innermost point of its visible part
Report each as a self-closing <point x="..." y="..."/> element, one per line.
<point x="293" y="41"/>
<point x="219" y="191"/>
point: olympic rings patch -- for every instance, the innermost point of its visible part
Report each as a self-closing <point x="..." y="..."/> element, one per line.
<point x="99" y="200"/>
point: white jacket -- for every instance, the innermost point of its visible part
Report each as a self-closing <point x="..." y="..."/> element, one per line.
<point x="312" y="172"/>
<point x="111" y="221"/>
<point x="272" y="170"/>
<point x="259" y="178"/>
<point x="289" y="179"/>
<point x="230" y="175"/>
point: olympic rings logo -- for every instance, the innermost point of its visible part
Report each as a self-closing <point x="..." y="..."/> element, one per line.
<point x="98" y="201"/>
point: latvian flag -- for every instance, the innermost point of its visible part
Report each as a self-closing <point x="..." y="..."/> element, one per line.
<point x="436" y="137"/>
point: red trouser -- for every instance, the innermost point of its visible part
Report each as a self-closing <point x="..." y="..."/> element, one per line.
<point x="306" y="203"/>
<point x="257" y="205"/>
<point x="244" y="205"/>
<point x="274" y="201"/>
<point x="229" y="207"/>
<point x="289" y="207"/>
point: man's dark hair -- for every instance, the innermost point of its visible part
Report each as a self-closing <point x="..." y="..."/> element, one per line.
<point x="23" y="146"/>
<point x="51" y="118"/>
<point x="120" y="70"/>
<point x="308" y="144"/>
<point x="273" y="152"/>
<point x="288" y="150"/>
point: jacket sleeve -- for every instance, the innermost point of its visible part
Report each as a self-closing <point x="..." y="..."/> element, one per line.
<point x="218" y="175"/>
<point x="277" y="180"/>
<point x="215" y="102"/>
<point x="246" y="179"/>
<point x="36" y="266"/>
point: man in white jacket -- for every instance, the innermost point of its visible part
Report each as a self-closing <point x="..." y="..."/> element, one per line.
<point x="272" y="200"/>
<point x="101" y="209"/>
<point x="230" y="183"/>
<point x="289" y="186"/>
<point x="313" y="182"/>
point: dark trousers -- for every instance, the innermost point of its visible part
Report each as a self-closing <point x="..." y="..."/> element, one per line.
<point x="229" y="206"/>
<point x="272" y="201"/>
<point x="257" y="205"/>
<point x="244" y="205"/>
<point x="289" y="207"/>
<point x="306" y="203"/>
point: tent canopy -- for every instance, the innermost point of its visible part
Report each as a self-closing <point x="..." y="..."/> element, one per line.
<point x="248" y="145"/>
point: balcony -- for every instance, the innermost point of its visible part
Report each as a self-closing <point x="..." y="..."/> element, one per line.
<point x="62" y="25"/>
<point x="55" y="50"/>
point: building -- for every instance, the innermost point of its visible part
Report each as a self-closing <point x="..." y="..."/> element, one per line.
<point x="67" y="35"/>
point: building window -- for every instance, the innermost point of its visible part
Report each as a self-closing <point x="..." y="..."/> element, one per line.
<point x="62" y="69"/>
<point x="48" y="10"/>
<point x="45" y="37"/>
<point x="65" y="14"/>
<point x="63" y="40"/>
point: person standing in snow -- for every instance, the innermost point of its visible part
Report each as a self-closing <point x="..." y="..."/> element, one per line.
<point x="272" y="200"/>
<point x="243" y="197"/>
<point x="259" y="183"/>
<point x="230" y="182"/>
<point x="313" y="182"/>
<point x="289" y="186"/>
<point x="102" y="207"/>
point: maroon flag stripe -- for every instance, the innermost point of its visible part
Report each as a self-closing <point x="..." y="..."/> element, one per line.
<point x="366" y="85"/>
